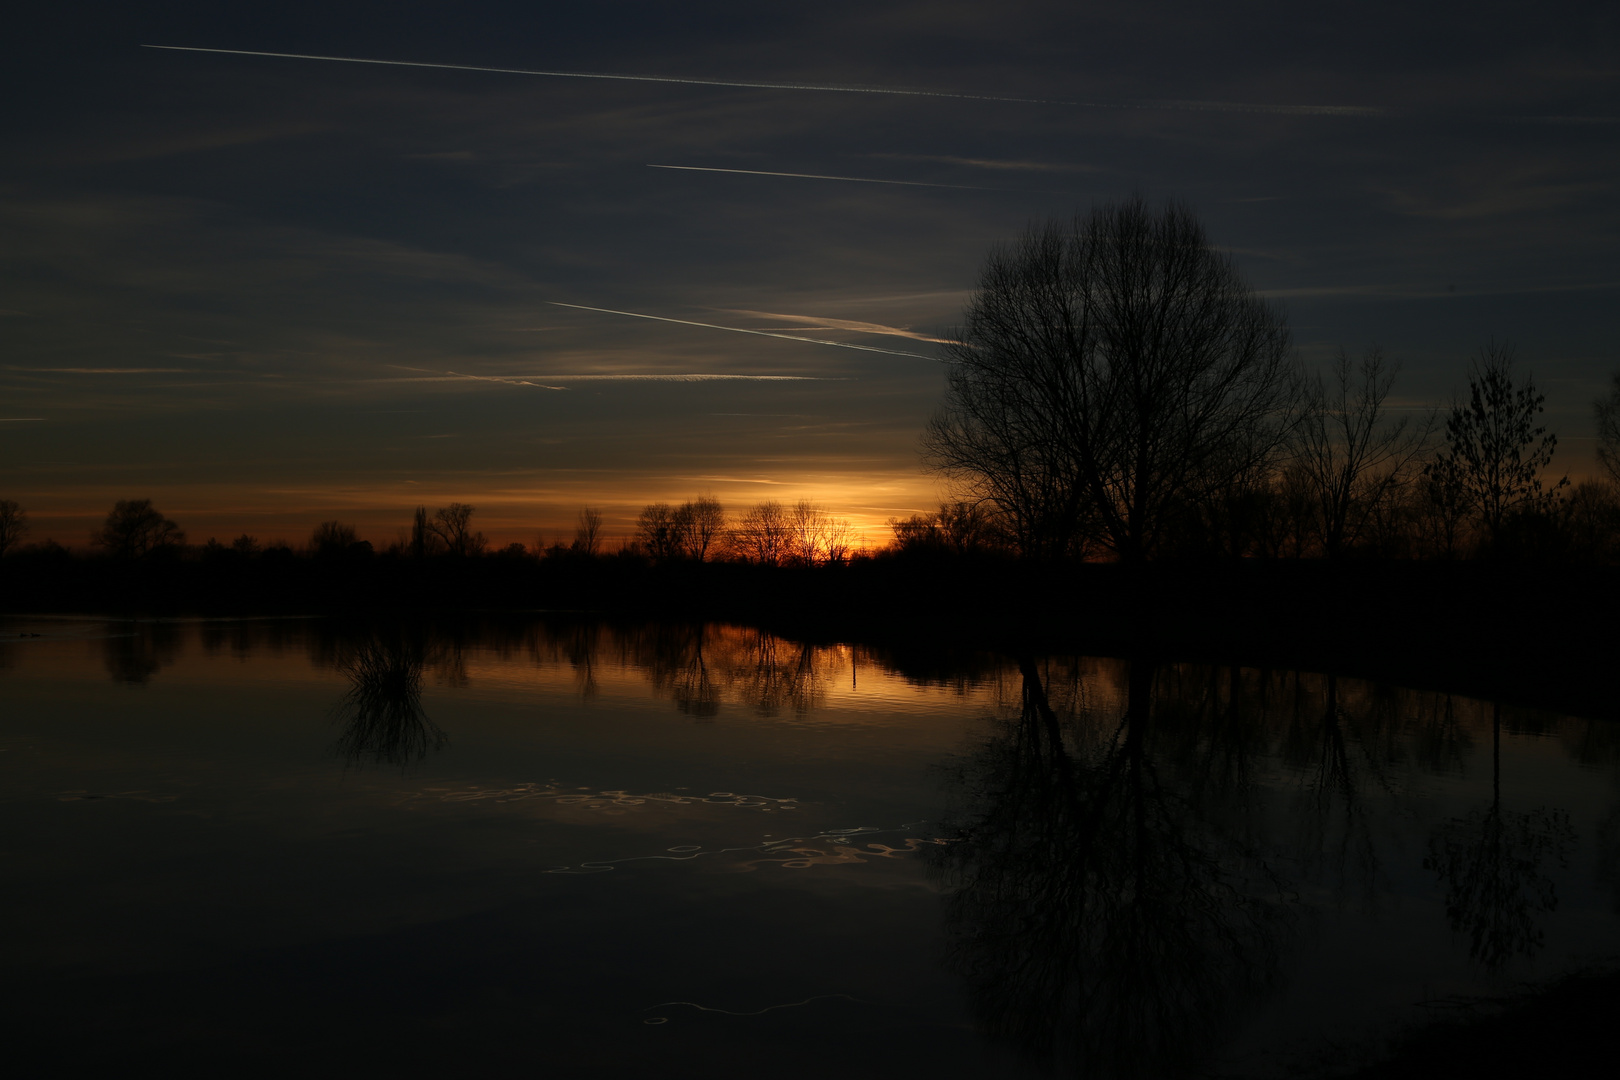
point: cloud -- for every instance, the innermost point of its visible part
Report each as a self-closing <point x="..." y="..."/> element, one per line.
<point x="107" y="370"/>
<point x="820" y="323"/>
<point x="450" y="376"/>
<point x="1416" y="292"/>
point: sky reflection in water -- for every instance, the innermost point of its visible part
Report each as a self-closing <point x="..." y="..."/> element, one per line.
<point x="675" y="847"/>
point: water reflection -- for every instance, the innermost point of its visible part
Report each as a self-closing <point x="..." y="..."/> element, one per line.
<point x="1493" y="865"/>
<point x="146" y="648"/>
<point x="1107" y="918"/>
<point x="382" y="715"/>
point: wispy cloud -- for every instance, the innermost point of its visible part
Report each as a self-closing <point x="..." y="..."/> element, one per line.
<point x="451" y="376"/>
<point x="820" y="323"/>
<point x="1429" y="292"/>
<point x="741" y="330"/>
<point x="107" y="370"/>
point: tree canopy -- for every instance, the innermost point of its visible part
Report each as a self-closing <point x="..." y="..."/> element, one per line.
<point x="1110" y="371"/>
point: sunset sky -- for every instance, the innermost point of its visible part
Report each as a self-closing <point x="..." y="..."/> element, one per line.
<point x="266" y="291"/>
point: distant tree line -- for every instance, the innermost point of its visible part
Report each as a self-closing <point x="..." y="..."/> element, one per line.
<point x="699" y="530"/>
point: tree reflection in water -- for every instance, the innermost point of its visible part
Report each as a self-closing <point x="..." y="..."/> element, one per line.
<point x="1491" y="865"/>
<point x="382" y="716"/>
<point x="1104" y="921"/>
<point x="135" y="655"/>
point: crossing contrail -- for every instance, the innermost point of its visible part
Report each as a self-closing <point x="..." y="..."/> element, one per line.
<point x="740" y="330"/>
<point x="831" y="88"/>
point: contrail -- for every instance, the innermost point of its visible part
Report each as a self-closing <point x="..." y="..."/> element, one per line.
<point x="1174" y="106"/>
<point x="478" y="378"/>
<point x="693" y="377"/>
<point x="819" y="176"/>
<point x="740" y="330"/>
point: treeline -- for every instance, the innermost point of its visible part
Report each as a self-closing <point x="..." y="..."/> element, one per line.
<point x="766" y="534"/>
<point x="1118" y="392"/>
<point x="1344" y="476"/>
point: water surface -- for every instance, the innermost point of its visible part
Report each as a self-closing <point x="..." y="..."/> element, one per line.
<point x="696" y="849"/>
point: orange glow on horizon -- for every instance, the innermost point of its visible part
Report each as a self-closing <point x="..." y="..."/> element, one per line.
<point x="506" y="512"/>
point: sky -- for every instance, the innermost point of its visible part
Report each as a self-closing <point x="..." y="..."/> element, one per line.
<point x="266" y="291"/>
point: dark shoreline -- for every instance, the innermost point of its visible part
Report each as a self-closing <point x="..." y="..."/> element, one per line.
<point x="1530" y="635"/>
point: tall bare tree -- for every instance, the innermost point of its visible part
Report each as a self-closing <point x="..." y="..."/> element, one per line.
<point x="1110" y="370"/>
<point x="704" y="521"/>
<point x="1354" y="456"/>
<point x="588" y="531"/>
<point x="13" y="523"/>
<point x="763" y="535"/>
<point x="453" y="526"/>
<point x="661" y="531"/>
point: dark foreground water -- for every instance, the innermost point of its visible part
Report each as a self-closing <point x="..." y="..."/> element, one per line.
<point x="683" y="851"/>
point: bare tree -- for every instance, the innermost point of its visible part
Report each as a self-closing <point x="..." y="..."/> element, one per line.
<point x="13" y="523"/>
<point x="967" y="526"/>
<point x="1607" y="412"/>
<point x="1354" y="455"/>
<point x="1110" y="370"/>
<point x="588" y="531"/>
<point x="453" y="526"/>
<point x="763" y="535"/>
<point x="661" y="531"/>
<point x="1495" y="454"/>
<point x="704" y="523"/>
<point x="807" y="525"/>
<point x="134" y="528"/>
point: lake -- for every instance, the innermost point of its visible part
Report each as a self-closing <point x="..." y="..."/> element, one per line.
<point x="683" y="850"/>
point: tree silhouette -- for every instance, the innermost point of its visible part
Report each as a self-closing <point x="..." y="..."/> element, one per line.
<point x="703" y="524"/>
<point x="1606" y="411"/>
<point x="1109" y="371"/>
<point x="13" y="524"/>
<point x="763" y="535"/>
<point x="424" y="541"/>
<point x="332" y="538"/>
<point x="661" y="531"/>
<point x="1354" y="456"/>
<point x="588" y="531"/>
<point x="815" y="536"/>
<point x="134" y="528"/>
<point x="1494" y="453"/>
<point x="452" y="525"/>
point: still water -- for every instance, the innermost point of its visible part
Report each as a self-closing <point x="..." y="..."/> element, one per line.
<point x="690" y="850"/>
